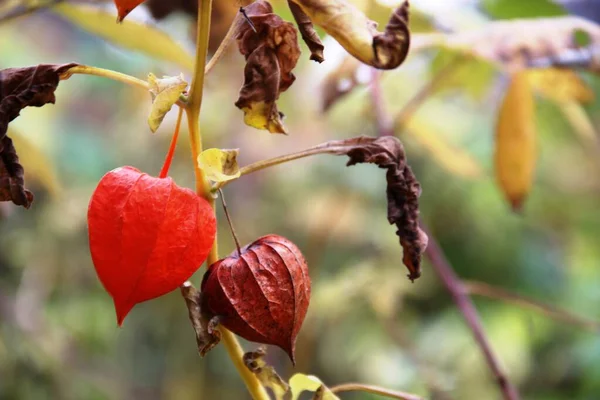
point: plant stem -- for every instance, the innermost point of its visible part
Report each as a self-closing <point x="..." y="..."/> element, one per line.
<point x="456" y="288"/>
<point x="235" y="238"/>
<point x="359" y="387"/>
<point x="106" y="73"/>
<point x="203" y="188"/>
<point x="169" y="158"/>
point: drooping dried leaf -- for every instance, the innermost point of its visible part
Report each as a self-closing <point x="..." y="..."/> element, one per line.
<point x="219" y="165"/>
<point x="20" y="88"/>
<point x="359" y="35"/>
<point x="307" y="30"/>
<point x="205" y="325"/>
<point x="129" y="34"/>
<point x="165" y="93"/>
<point x="403" y="189"/>
<point x="266" y="374"/>
<point x="300" y="383"/>
<point x="517" y="44"/>
<point x="516" y="153"/>
<point x="271" y="53"/>
<point x="261" y="293"/>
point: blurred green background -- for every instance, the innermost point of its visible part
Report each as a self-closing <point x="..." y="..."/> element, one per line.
<point x="366" y="322"/>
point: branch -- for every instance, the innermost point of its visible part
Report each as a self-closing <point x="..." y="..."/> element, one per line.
<point x="454" y="285"/>
<point x="483" y="289"/>
<point x="359" y="387"/>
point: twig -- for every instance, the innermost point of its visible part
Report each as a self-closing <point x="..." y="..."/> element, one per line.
<point x="483" y="289"/>
<point x="235" y="238"/>
<point x="359" y="387"/>
<point x="444" y="270"/>
<point x="456" y="288"/>
<point x="385" y="126"/>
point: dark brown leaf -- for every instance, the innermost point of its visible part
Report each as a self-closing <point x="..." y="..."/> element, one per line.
<point x="261" y="293"/>
<point x="403" y="189"/>
<point x="205" y="325"/>
<point x="307" y="30"/>
<point x="271" y="53"/>
<point x="20" y="88"/>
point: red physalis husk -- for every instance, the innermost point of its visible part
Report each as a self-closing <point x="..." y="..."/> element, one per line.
<point x="261" y="294"/>
<point x="147" y="235"/>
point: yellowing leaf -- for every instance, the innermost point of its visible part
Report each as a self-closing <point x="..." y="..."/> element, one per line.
<point x="560" y="85"/>
<point x="452" y="158"/>
<point x="265" y="373"/>
<point x="38" y="167"/>
<point x="515" y="154"/>
<point x="219" y="165"/>
<point x="300" y="383"/>
<point x="263" y="115"/>
<point x="165" y="93"/>
<point x="129" y="34"/>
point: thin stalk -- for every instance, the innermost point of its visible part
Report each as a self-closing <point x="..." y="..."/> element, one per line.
<point x="235" y="238"/>
<point x="263" y="164"/>
<point x="235" y="351"/>
<point x="169" y="158"/>
<point x="106" y="73"/>
<point x="229" y="38"/>
<point x="359" y="387"/>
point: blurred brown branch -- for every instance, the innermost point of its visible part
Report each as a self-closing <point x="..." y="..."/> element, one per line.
<point x="485" y="290"/>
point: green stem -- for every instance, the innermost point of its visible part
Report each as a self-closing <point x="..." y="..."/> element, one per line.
<point x="359" y="387"/>
<point x="235" y="351"/>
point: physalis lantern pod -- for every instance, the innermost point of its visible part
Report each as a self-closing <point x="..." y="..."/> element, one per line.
<point x="261" y="293"/>
<point x="147" y="235"/>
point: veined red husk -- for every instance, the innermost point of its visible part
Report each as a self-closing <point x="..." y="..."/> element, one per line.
<point x="147" y="235"/>
<point x="261" y="294"/>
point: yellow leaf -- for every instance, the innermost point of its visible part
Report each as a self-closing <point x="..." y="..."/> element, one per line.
<point x="128" y="34"/>
<point x="219" y="165"/>
<point x="38" y="167"/>
<point x="515" y="154"/>
<point x="560" y="85"/>
<point x="165" y="93"/>
<point x="264" y="115"/>
<point x="300" y="383"/>
<point x="452" y="158"/>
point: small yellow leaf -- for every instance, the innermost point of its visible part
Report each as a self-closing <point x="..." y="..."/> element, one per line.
<point x="560" y="85"/>
<point x="165" y="93"/>
<point x="128" y="34"/>
<point x="515" y="153"/>
<point x="38" y="167"/>
<point x="219" y="165"/>
<point x="264" y="115"/>
<point x="300" y="383"/>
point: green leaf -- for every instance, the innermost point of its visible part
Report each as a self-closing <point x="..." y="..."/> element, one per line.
<point x="129" y="34"/>
<point x="165" y="93"/>
<point x="511" y="9"/>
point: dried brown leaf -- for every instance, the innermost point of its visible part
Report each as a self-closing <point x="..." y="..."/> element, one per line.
<point x="20" y="88"/>
<point x="403" y="189"/>
<point x="307" y="30"/>
<point x="358" y="34"/>
<point x="205" y="325"/>
<point x="271" y="53"/>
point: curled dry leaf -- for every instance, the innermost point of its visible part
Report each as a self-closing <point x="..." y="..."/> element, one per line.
<point x="403" y="189"/>
<point x="219" y="165"/>
<point x="147" y="236"/>
<point x="358" y="34"/>
<point x="266" y="374"/>
<point x="261" y="293"/>
<point x="20" y="88"/>
<point x="515" y="153"/>
<point x="307" y="30"/>
<point x="271" y="53"/>
<point x="516" y="44"/>
<point x="205" y="325"/>
<point x="165" y="93"/>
